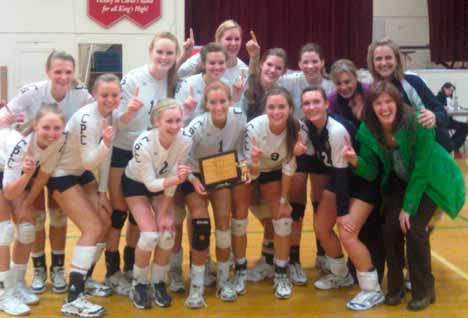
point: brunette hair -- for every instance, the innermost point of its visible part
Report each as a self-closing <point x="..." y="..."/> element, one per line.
<point x="105" y="78"/>
<point x="292" y="125"/>
<point x="217" y="85"/>
<point x="314" y="47"/>
<point x="172" y="73"/>
<point x="399" y="73"/>
<point x="211" y="47"/>
<point x="64" y="56"/>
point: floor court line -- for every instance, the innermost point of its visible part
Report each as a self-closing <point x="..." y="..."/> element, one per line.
<point x="449" y="265"/>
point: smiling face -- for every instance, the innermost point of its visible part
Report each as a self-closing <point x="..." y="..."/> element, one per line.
<point x="314" y="106"/>
<point x="271" y="70"/>
<point x="385" y="109"/>
<point x="163" y="54"/>
<point x="384" y="61"/>
<point x="231" y="39"/>
<point x="48" y="129"/>
<point x="107" y="95"/>
<point x="278" y="110"/>
<point x="346" y="84"/>
<point x="311" y="65"/>
<point x="217" y="103"/>
<point x="215" y="65"/>
<point x="169" y="123"/>
<point x="61" y="74"/>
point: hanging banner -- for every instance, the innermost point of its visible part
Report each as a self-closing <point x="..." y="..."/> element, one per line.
<point x="108" y="12"/>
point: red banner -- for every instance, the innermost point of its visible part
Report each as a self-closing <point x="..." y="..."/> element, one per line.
<point x="108" y="12"/>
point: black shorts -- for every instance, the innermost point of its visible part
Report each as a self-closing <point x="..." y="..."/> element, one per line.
<point x="272" y="176"/>
<point x="1" y="179"/>
<point x="64" y="183"/>
<point x="311" y="164"/>
<point x="359" y="188"/>
<point x="187" y="186"/>
<point x="120" y="157"/>
<point x="131" y="188"/>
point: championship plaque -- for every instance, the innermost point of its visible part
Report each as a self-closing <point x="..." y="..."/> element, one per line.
<point x="221" y="170"/>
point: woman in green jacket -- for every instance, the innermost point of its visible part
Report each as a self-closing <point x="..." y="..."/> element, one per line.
<point x="417" y="176"/>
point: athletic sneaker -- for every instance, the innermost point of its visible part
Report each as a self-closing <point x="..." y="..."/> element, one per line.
<point x="195" y="299"/>
<point x="321" y="265"/>
<point x="297" y="274"/>
<point x="176" y="280"/>
<point x="366" y="300"/>
<point x="240" y="284"/>
<point x="11" y="305"/>
<point x="82" y="307"/>
<point x="282" y="286"/>
<point x="332" y="281"/>
<point x="57" y="277"/>
<point x="226" y="292"/>
<point x="261" y="271"/>
<point x="161" y="297"/>
<point x="39" y="280"/>
<point x="25" y="295"/>
<point x="95" y="288"/>
<point x="140" y="296"/>
<point x="119" y="283"/>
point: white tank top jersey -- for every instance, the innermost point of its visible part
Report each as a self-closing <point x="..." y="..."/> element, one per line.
<point x="192" y="66"/>
<point x="150" y="92"/>
<point x="331" y="150"/>
<point x="210" y="140"/>
<point x="19" y="146"/>
<point x="8" y="139"/>
<point x="151" y="162"/>
<point x="295" y="83"/>
<point x="84" y="149"/>
<point x="30" y="98"/>
<point x="273" y="146"/>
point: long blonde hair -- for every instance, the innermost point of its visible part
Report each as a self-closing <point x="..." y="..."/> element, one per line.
<point x="162" y="106"/>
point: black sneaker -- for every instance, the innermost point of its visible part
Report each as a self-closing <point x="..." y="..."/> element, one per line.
<point x="140" y="296"/>
<point x="161" y="297"/>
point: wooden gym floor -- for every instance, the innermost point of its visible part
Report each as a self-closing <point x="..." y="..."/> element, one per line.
<point x="450" y="267"/>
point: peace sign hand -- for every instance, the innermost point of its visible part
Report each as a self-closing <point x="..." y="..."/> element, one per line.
<point x="135" y="103"/>
<point x="252" y="46"/>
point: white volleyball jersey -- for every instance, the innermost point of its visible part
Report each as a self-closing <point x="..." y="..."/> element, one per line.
<point x="210" y="140"/>
<point x="150" y="92"/>
<point x="192" y="66"/>
<point x="30" y="98"/>
<point x="273" y="146"/>
<point x="295" y="83"/>
<point x="151" y="162"/>
<point x="328" y="145"/>
<point x="8" y="139"/>
<point x="20" y="146"/>
<point x="84" y="149"/>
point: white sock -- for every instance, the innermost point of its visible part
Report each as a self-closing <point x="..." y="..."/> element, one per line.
<point x="197" y="274"/>
<point x="176" y="259"/>
<point x="140" y="275"/>
<point x="158" y="273"/>
<point x="280" y="262"/>
<point x="19" y="271"/>
<point x="222" y="269"/>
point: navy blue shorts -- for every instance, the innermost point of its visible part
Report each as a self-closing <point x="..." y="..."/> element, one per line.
<point x="272" y="176"/>
<point x="359" y="188"/>
<point x="64" y="183"/>
<point x="131" y="188"/>
<point x="187" y="186"/>
<point x="120" y="157"/>
<point x="311" y="164"/>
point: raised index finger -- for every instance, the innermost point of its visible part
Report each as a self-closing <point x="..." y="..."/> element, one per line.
<point x="192" y="37"/>
<point x="137" y="91"/>
<point x="252" y="35"/>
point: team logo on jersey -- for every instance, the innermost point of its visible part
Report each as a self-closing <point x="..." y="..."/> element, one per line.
<point x="83" y="127"/>
<point x="138" y="146"/>
<point x="16" y="151"/>
<point x="274" y="156"/>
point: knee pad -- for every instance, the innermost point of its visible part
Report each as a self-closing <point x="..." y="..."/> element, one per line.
<point x="239" y="227"/>
<point x="118" y="219"/>
<point x="180" y="214"/>
<point x="223" y="238"/>
<point x="166" y="240"/>
<point x="40" y="222"/>
<point x="297" y="213"/>
<point x="26" y="233"/>
<point x="201" y="234"/>
<point x="148" y="241"/>
<point x="282" y="226"/>
<point x="131" y="219"/>
<point x="7" y="233"/>
<point x="261" y="210"/>
<point x="57" y="218"/>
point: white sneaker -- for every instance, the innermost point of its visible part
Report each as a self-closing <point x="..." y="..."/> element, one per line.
<point x="11" y="305"/>
<point x="366" y="300"/>
<point x="297" y="274"/>
<point x="39" y="281"/>
<point x="226" y="292"/>
<point x="119" y="283"/>
<point x="25" y="295"/>
<point x="176" y="280"/>
<point x="321" y="265"/>
<point x="261" y="271"/>
<point x="240" y="284"/>
<point x="195" y="299"/>
<point x="332" y="281"/>
<point x="95" y="288"/>
<point x="282" y="286"/>
<point x="57" y="277"/>
<point x="82" y="307"/>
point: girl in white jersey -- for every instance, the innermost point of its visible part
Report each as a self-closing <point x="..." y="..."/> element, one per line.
<point x="28" y="159"/>
<point x="62" y="89"/>
<point x="228" y="35"/>
<point x="148" y="185"/>
<point x="142" y="88"/>
<point x="218" y="130"/>
<point x="312" y="66"/>
<point x="88" y="147"/>
<point x="269" y="144"/>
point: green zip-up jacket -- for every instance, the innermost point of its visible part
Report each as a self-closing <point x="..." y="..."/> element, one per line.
<point x="431" y="170"/>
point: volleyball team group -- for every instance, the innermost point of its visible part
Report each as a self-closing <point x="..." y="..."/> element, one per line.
<point x="374" y="148"/>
